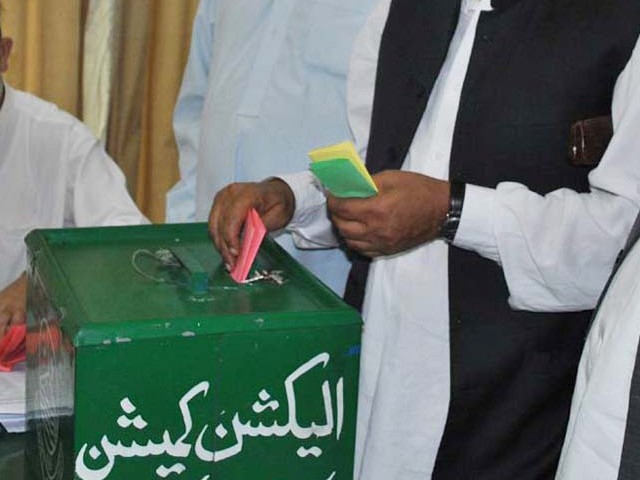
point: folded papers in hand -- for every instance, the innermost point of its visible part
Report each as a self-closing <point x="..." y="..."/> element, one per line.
<point x="253" y="233"/>
<point x="341" y="171"/>
<point x="13" y="347"/>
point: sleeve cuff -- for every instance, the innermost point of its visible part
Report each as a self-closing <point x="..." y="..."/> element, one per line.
<point x="307" y="195"/>
<point x="310" y="225"/>
<point x="477" y="224"/>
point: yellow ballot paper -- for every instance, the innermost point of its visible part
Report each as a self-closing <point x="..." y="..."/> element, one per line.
<point x="341" y="171"/>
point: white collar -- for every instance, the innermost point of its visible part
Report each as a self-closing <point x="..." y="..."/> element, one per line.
<point x="474" y="5"/>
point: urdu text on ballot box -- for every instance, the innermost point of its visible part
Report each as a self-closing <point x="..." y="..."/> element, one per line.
<point x="146" y="360"/>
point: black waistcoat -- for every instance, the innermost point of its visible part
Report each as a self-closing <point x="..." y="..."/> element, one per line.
<point x="537" y="66"/>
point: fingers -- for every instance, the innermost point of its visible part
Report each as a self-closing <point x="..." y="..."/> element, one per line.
<point x="360" y="238"/>
<point x="351" y="230"/>
<point x="230" y="228"/>
<point x="355" y="220"/>
<point x="225" y="223"/>
<point x="366" y="249"/>
<point x="349" y="209"/>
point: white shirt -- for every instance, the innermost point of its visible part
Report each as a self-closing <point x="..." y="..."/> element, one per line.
<point x="595" y="435"/>
<point x="405" y="379"/>
<point x="53" y="173"/>
<point x="593" y="443"/>
<point x="265" y="84"/>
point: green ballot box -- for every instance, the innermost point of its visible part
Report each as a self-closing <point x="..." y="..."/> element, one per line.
<point x="145" y="360"/>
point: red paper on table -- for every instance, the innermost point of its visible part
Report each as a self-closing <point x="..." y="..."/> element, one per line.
<point x="13" y="347"/>
<point x="254" y="232"/>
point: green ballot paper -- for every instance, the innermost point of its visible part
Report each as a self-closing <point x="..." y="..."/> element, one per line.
<point x="341" y="171"/>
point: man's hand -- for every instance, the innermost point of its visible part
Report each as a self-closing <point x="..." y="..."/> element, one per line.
<point x="273" y="199"/>
<point x="407" y="212"/>
<point x="13" y="304"/>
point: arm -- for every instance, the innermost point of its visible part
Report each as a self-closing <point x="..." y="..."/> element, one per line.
<point x="557" y="250"/>
<point x="294" y="202"/>
<point x="188" y="112"/>
<point x="95" y="190"/>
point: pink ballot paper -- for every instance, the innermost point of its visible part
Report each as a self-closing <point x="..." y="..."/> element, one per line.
<point x="254" y="232"/>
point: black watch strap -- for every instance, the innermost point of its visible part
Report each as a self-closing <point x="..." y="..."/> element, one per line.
<point x="449" y="227"/>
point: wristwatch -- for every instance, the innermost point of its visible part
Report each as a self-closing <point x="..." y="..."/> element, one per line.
<point x="449" y="227"/>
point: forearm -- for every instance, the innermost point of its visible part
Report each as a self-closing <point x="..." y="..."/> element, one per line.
<point x="556" y="251"/>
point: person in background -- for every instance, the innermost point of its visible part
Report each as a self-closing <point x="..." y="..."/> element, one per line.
<point x="602" y="441"/>
<point x="603" y="435"/>
<point x="53" y="173"/>
<point x="264" y="84"/>
<point x="488" y="250"/>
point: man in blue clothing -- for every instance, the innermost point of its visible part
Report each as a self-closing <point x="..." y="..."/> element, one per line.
<point x="264" y="84"/>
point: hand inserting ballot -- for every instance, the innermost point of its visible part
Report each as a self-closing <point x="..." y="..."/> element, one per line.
<point x="407" y="211"/>
<point x="272" y="199"/>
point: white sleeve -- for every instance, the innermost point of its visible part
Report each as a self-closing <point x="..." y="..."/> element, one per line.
<point x="96" y="192"/>
<point x="181" y="204"/>
<point x="310" y="226"/>
<point x="557" y="250"/>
